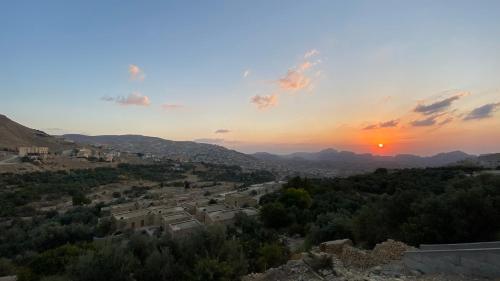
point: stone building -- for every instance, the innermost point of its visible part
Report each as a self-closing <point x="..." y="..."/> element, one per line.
<point x="227" y="217"/>
<point x="239" y="200"/>
<point x="202" y="212"/>
<point x="33" y="151"/>
<point x="183" y="229"/>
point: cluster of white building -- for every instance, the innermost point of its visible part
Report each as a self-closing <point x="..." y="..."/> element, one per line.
<point x="180" y="217"/>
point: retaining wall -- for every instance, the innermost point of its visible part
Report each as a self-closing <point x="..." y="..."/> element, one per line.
<point x="461" y="246"/>
<point x="482" y="262"/>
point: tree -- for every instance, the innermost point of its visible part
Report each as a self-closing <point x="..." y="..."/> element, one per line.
<point x="109" y="263"/>
<point x="159" y="266"/>
<point x="272" y="255"/>
<point x="296" y="197"/>
<point x="274" y="215"/>
<point x="79" y="199"/>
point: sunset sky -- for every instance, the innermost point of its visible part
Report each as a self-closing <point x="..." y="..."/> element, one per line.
<point x="279" y="76"/>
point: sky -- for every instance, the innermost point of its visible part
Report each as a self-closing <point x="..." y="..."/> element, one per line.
<point x="418" y="77"/>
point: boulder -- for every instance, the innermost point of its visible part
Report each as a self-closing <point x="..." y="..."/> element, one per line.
<point x="335" y="247"/>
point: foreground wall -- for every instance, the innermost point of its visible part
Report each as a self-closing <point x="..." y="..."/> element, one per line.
<point x="480" y="262"/>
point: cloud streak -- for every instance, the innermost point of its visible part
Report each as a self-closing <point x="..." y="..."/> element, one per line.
<point x="387" y="124"/>
<point x="426" y="122"/>
<point x="439" y="106"/>
<point x="135" y="98"/>
<point x="168" y="106"/>
<point x="222" y="131"/>
<point x="311" y="53"/>
<point x="482" y="112"/>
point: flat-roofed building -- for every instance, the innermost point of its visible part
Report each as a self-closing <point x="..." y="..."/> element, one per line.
<point x="201" y="212"/>
<point x="133" y="220"/>
<point x="33" y="151"/>
<point x="239" y="200"/>
<point x="228" y="217"/>
<point x="192" y="205"/>
<point x="183" y="229"/>
<point x="175" y="218"/>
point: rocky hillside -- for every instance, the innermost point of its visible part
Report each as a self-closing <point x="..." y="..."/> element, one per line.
<point x="185" y="150"/>
<point x="14" y="135"/>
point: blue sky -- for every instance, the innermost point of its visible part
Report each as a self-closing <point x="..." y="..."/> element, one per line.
<point x="370" y="62"/>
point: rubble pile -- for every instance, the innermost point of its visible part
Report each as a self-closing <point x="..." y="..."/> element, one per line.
<point x="347" y="263"/>
<point x="389" y="250"/>
<point x="335" y="247"/>
<point x="358" y="258"/>
<point x="294" y="270"/>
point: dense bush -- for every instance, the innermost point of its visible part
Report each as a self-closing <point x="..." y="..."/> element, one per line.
<point x="438" y="205"/>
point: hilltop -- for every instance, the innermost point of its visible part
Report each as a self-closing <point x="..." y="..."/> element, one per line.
<point x="182" y="150"/>
<point x="14" y="135"/>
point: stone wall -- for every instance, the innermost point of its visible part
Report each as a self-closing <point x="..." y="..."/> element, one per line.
<point x="461" y="246"/>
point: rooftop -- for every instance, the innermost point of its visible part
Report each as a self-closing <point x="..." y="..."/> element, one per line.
<point x="185" y="225"/>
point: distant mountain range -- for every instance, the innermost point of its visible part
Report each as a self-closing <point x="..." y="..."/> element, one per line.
<point x="328" y="162"/>
<point x="183" y="150"/>
<point x="331" y="161"/>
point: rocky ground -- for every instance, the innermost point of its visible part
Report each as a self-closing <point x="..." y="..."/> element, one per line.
<point x="342" y="262"/>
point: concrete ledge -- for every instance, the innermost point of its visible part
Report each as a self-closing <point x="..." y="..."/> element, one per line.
<point x="472" y="262"/>
<point x="461" y="246"/>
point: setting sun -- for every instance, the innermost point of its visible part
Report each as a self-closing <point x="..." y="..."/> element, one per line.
<point x="380" y="145"/>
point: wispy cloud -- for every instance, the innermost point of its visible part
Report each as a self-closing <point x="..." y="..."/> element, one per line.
<point x="311" y="53"/>
<point x="387" y="124"/>
<point x="168" y="106"/>
<point x="439" y="106"/>
<point x="426" y="122"/>
<point x="482" y="112"/>
<point x="222" y="131"/>
<point x="136" y="73"/>
<point x="371" y="127"/>
<point x="263" y="102"/>
<point x="107" y="98"/>
<point x="246" y="73"/>
<point x="135" y="98"/>
<point x="294" y="80"/>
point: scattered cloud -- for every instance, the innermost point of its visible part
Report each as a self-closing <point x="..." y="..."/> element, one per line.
<point x="439" y="106"/>
<point x="306" y="65"/>
<point x="311" y="53"/>
<point x="446" y="121"/>
<point x="371" y="127"/>
<point x="135" y="98"/>
<point x="168" y="106"/>
<point x="426" y="122"/>
<point x="387" y="124"/>
<point x="222" y="131"/>
<point x="246" y="73"/>
<point x="106" y="98"/>
<point x="263" y="102"/>
<point x="482" y="112"/>
<point x="136" y="73"/>
<point x="294" y="80"/>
